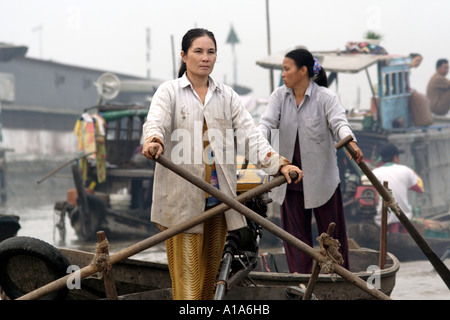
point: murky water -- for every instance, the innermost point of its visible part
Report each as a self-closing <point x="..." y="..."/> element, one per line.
<point x="416" y="280"/>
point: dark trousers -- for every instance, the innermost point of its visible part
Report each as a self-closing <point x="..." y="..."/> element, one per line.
<point x="296" y="220"/>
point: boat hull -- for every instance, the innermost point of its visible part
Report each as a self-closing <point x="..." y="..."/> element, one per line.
<point x="402" y="245"/>
<point x="27" y="264"/>
<point x="140" y="280"/>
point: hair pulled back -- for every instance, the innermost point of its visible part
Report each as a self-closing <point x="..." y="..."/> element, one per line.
<point x="303" y="57"/>
<point x="186" y="43"/>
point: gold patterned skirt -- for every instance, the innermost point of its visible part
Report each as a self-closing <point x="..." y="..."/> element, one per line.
<point x="194" y="260"/>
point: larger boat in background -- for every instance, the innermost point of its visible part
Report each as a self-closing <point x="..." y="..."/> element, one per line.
<point x="118" y="202"/>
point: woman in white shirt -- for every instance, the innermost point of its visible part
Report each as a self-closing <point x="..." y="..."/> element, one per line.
<point x="194" y="121"/>
<point x="309" y="120"/>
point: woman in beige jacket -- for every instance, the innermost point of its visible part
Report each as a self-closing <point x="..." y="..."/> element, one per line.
<point x="195" y="121"/>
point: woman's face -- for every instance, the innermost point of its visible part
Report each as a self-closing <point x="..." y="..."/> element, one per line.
<point x="292" y="75"/>
<point x="415" y="62"/>
<point x="201" y="57"/>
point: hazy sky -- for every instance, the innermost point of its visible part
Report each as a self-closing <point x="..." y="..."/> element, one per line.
<point x="111" y="35"/>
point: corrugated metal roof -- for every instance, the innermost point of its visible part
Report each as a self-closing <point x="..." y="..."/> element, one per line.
<point x="9" y="51"/>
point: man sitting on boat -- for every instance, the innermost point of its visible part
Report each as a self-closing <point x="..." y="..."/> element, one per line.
<point x="400" y="179"/>
<point x="438" y="90"/>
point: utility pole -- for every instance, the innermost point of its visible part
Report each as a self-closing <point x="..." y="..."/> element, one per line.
<point x="233" y="39"/>
<point x="39" y="29"/>
<point x="174" y="65"/>
<point x="268" y="44"/>
<point x="147" y="41"/>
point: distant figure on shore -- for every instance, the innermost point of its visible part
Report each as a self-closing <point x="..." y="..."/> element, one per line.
<point x="438" y="90"/>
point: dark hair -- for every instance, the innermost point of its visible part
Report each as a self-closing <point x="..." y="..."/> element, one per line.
<point x="389" y="151"/>
<point x="303" y="57"/>
<point x="413" y="55"/>
<point x="186" y="43"/>
<point x="440" y="62"/>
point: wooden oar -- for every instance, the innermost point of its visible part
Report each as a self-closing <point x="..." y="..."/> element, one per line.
<point x="383" y="232"/>
<point x="152" y="241"/>
<point x="437" y="263"/>
<point x="271" y="227"/>
<point x="227" y="203"/>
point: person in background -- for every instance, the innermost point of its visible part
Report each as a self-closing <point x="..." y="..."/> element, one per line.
<point x="438" y="90"/>
<point x="309" y="120"/>
<point x="419" y="103"/>
<point x="400" y="179"/>
<point x="416" y="60"/>
<point x="189" y="121"/>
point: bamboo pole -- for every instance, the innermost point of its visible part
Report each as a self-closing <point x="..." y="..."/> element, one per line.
<point x="437" y="263"/>
<point x="63" y="165"/>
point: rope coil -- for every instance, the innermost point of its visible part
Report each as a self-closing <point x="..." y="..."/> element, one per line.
<point x="329" y="248"/>
<point x="101" y="258"/>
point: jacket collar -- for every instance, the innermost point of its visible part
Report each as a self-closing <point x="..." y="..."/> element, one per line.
<point x="184" y="82"/>
<point x="309" y="91"/>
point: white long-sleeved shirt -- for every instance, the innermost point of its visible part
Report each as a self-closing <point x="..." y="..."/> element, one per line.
<point x="319" y="122"/>
<point x="176" y="118"/>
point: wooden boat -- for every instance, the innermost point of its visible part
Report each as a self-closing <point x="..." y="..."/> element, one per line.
<point x="436" y="233"/>
<point x="137" y="279"/>
<point x="9" y="226"/>
<point x="263" y="285"/>
<point x="119" y="205"/>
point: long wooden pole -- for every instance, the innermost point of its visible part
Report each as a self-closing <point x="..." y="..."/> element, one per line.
<point x="230" y="203"/>
<point x="279" y="232"/>
<point x="383" y="232"/>
<point x="152" y="241"/>
<point x="437" y="263"/>
<point x="63" y="165"/>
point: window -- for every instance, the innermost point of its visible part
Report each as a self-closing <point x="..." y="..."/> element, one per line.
<point x="127" y="128"/>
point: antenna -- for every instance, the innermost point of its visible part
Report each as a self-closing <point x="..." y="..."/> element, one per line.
<point x="108" y="87"/>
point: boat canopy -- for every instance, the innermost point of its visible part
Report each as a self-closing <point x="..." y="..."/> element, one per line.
<point x="332" y="61"/>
